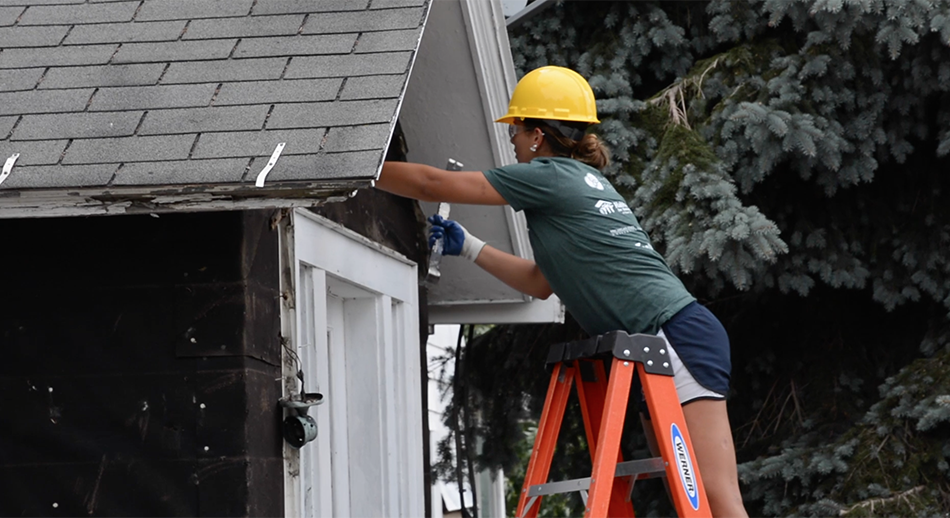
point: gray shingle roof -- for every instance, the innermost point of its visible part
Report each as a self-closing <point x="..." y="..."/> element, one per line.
<point x="107" y="95"/>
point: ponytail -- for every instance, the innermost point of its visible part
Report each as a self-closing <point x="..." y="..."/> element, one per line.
<point x="591" y="151"/>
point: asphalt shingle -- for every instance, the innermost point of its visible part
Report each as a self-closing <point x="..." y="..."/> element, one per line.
<point x="190" y="120"/>
<point x="56" y="56"/>
<point x="357" y="138"/>
<point x="21" y="79"/>
<point x="46" y="177"/>
<point x="76" y="125"/>
<point x="174" y="51"/>
<point x="295" y="45"/>
<point x="363" y="21"/>
<point x="103" y="75"/>
<point x="224" y="71"/>
<point x="34" y="101"/>
<point x="152" y="97"/>
<point x="373" y="87"/>
<point x="348" y="65"/>
<point x="179" y="172"/>
<point x="40" y="152"/>
<point x="389" y="4"/>
<point x="258" y="143"/>
<point x="125" y="32"/>
<point x="388" y="41"/>
<point x="81" y="13"/>
<point x="9" y="15"/>
<point x="14" y="37"/>
<point x="188" y="9"/>
<point x="323" y="166"/>
<point x="129" y="149"/>
<point x="307" y="6"/>
<point x="26" y="3"/>
<point x="6" y="124"/>
<point x="296" y="90"/>
<point x="244" y="27"/>
<point x="347" y="113"/>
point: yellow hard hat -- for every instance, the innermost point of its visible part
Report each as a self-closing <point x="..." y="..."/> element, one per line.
<point x="552" y="93"/>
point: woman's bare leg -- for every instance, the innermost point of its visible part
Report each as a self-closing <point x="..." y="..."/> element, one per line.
<point x="711" y="437"/>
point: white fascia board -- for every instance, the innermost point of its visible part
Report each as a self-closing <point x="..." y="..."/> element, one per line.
<point x="535" y="312"/>
<point x="495" y="69"/>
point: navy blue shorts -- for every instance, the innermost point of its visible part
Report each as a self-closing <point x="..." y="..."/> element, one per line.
<point x="702" y="345"/>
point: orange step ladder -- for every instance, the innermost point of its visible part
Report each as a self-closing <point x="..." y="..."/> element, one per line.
<point x="604" y="404"/>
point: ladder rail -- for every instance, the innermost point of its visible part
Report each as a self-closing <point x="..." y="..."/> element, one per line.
<point x="542" y="453"/>
<point x="592" y="394"/>
<point x="608" y="438"/>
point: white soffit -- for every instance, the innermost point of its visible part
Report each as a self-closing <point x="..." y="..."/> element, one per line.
<point x="462" y="80"/>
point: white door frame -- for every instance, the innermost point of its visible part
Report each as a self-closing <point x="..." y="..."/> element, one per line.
<point x="350" y="314"/>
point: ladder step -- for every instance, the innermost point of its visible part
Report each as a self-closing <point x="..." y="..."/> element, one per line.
<point x="642" y="469"/>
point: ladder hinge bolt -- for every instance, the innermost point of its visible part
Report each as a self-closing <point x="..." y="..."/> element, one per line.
<point x="662" y="351"/>
<point x="626" y="352"/>
<point x="650" y="362"/>
<point x="666" y="365"/>
<point x="625" y="364"/>
<point x="646" y="349"/>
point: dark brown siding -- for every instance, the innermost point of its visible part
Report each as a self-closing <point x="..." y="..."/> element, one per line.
<point x="139" y="359"/>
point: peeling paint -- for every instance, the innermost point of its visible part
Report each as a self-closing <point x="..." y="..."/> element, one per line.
<point x="156" y="200"/>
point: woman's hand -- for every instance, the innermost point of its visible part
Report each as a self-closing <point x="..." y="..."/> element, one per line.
<point x="521" y="274"/>
<point x="455" y="239"/>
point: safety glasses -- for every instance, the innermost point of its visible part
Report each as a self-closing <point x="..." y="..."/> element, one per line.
<point x="514" y="129"/>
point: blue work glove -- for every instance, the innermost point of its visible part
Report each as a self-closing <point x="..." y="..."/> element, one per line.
<point x="456" y="240"/>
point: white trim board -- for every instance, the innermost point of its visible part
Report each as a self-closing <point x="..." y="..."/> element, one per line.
<point x="356" y="322"/>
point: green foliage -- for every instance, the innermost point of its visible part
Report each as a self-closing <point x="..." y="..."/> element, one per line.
<point x="893" y="462"/>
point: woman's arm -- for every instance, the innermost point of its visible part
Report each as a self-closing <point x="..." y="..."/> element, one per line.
<point x="427" y="183"/>
<point x="521" y="274"/>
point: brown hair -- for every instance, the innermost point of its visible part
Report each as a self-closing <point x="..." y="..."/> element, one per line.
<point x="588" y="148"/>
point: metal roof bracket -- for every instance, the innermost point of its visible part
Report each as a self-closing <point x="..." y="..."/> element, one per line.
<point x="8" y="166"/>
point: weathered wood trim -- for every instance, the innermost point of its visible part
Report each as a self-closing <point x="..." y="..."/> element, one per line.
<point x="157" y="200"/>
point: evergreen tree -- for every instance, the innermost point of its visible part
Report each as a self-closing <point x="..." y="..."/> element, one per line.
<point x="788" y="158"/>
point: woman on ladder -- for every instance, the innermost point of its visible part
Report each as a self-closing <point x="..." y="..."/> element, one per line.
<point x="591" y="251"/>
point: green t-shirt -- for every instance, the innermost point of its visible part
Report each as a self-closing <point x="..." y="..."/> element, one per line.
<point x="590" y="247"/>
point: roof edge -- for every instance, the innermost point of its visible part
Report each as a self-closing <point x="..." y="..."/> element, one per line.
<point x="155" y="200"/>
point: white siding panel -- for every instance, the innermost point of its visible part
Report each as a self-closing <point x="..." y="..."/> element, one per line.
<point x="363" y="398"/>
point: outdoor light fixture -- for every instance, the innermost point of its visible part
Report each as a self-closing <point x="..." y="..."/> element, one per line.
<point x="300" y="428"/>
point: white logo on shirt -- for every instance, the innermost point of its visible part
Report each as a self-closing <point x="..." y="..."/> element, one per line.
<point x="593" y="182"/>
<point x="610" y="207"/>
<point x="605" y="207"/>
<point x="625" y="230"/>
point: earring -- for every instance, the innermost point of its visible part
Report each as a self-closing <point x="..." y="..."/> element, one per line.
<point x="533" y="148"/>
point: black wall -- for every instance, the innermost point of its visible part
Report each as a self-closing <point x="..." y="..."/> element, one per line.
<point x="139" y="366"/>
